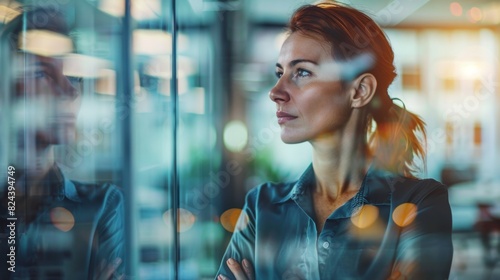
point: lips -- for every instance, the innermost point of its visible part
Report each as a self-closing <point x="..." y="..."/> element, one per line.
<point x="284" y="117"/>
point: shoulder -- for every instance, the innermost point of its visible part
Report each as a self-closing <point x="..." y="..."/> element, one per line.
<point x="416" y="190"/>
<point x="270" y="192"/>
<point x="403" y="189"/>
<point x="420" y="188"/>
<point x="106" y="193"/>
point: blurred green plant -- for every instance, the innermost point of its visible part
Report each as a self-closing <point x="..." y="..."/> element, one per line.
<point x="263" y="167"/>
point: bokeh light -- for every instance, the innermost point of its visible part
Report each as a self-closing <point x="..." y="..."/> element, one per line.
<point x="404" y="214"/>
<point x="45" y="43"/>
<point x="229" y="220"/>
<point x="185" y="219"/>
<point x="141" y="9"/>
<point x="470" y="69"/>
<point x="9" y="10"/>
<point x="62" y="218"/>
<point x="235" y="136"/>
<point x="365" y="216"/>
<point x="79" y="65"/>
<point x="152" y="42"/>
<point x="475" y="15"/>
<point x="456" y="9"/>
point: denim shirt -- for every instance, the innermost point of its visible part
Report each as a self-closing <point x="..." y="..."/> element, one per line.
<point x="277" y="231"/>
<point x="71" y="243"/>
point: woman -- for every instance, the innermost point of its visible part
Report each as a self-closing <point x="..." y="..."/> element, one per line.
<point x="357" y="212"/>
<point x="63" y="229"/>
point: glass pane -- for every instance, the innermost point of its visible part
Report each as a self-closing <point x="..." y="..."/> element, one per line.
<point x="88" y="138"/>
<point x="202" y="108"/>
<point x="153" y="139"/>
<point x="63" y="140"/>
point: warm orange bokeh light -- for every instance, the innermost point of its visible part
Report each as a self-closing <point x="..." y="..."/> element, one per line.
<point x="365" y="216"/>
<point x="230" y="217"/>
<point x="475" y="14"/>
<point x="456" y="9"/>
<point x="62" y="218"/>
<point x="404" y="214"/>
<point x="185" y="219"/>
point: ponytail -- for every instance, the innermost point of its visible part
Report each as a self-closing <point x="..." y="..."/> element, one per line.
<point x="398" y="139"/>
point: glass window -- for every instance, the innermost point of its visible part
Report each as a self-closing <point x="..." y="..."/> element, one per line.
<point x="131" y="130"/>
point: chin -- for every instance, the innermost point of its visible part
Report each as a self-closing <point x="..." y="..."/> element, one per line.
<point x="290" y="139"/>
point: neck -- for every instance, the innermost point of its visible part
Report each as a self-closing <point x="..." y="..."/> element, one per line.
<point x="340" y="164"/>
<point x="36" y="164"/>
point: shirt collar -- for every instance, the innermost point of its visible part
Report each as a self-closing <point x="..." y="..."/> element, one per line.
<point x="376" y="188"/>
<point x="298" y="188"/>
<point x="60" y="186"/>
<point x="379" y="185"/>
<point x="68" y="188"/>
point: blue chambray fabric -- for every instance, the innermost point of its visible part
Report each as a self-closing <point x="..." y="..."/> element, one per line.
<point x="277" y="232"/>
<point x="45" y="252"/>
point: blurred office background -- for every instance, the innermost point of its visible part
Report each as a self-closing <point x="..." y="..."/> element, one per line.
<point x="199" y="145"/>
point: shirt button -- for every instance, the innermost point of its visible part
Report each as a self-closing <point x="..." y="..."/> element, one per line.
<point x="326" y="245"/>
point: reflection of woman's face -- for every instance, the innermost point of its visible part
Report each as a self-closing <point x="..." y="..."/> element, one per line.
<point x="309" y="90"/>
<point x="45" y="99"/>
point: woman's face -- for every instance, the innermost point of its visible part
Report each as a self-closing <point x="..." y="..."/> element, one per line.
<point x="310" y="100"/>
<point x="46" y="103"/>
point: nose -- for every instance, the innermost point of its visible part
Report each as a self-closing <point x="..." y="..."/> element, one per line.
<point x="279" y="93"/>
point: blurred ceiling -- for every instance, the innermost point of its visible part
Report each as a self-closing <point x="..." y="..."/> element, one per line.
<point x="413" y="13"/>
<point x="400" y="13"/>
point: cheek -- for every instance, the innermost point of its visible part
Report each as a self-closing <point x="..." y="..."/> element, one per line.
<point x="324" y="102"/>
<point x="76" y="104"/>
<point x="40" y="107"/>
<point x="332" y="112"/>
<point x="33" y="88"/>
<point x="31" y="113"/>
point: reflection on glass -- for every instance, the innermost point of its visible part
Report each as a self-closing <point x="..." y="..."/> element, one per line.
<point x="60" y="228"/>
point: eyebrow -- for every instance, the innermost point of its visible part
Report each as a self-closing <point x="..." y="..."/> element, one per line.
<point x="51" y="68"/>
<point x="297" y="61"/>
<point x="46" y="64"/>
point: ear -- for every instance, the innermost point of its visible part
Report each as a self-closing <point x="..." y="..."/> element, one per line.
<point x="363" y="89"/>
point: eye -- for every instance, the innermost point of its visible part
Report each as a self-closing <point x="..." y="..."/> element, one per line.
<point x="278" y="74"/>
<point x="39" y="74"/>
<point x="301" y="73"/>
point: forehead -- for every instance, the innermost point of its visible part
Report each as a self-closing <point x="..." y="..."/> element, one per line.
<point x="23" y="58"/>
<point x="26" y="64"/>
<point x="300" y="46"/>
